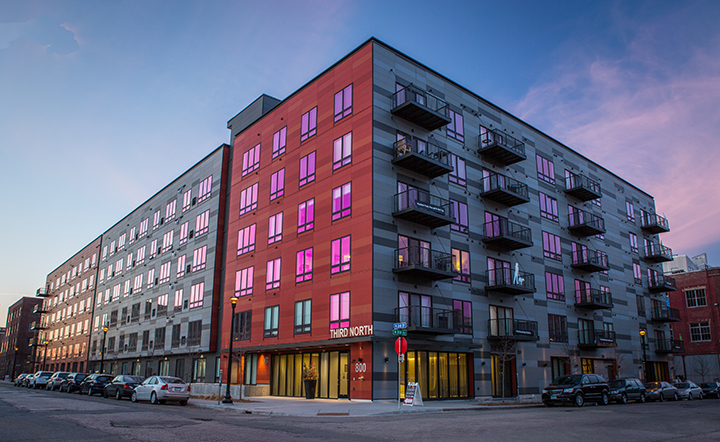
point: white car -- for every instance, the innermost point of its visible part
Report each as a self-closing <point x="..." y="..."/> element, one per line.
<point x="160" y="389"/>
<point x="40" y="379"/>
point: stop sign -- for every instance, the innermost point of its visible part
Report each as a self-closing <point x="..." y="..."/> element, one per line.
<point x="400" y="346"/>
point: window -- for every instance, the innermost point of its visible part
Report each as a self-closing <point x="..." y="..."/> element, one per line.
<point x="205" y="189"/>
<point x="178" y="300"/>
<point x="458" y="175"/>
<point x="181" y="266"/>
<point x="164" y="273"/>
<point x="557" y="327"/>
<point x="308" y="124"/>
<point x="156" y="220"/>
<point x="137" y="284"/>
<point x="127" y="289"/>
<point x="652" y="275"/>
<point x="340" y="255"/>
<point x="343" y="103"/>
<point x="184" y="232"/>
<point x="463" y="313"/>
<point x="277" y="184"/>
<point x="307" y="169"/>
<point x="459" y="212"/>
<point x="170" y="210"/>
<point x="340" y="310"/>
<point x="551" y="246"/>
<point x="455" y="129"/>
<point x="303" y="316"/>
<point x="342" y="151"/>
<point x="244" y="281"/>
<point x="143" y="230"/>
<point x="630" y="211"/>
<point x="695" y="298"/>
<point x="633" y="243"/>
<point x="187" y="198"/>
<point x="303" y="265"/>
<point x="554" y="286"/>
<point x="637" y="273"/>
<point x="153" y="249"/>
<point x="167" y="241"/>
<point x="700" y="332"/>
<point x="151" y="278"/>
<point x="251" y="160"/>
<point x="119" y="266"/>
<point x="275" y="228"/>
<point x="199" y="257"/>
<point x="271" y="321"/>
<point x="246" y="240"/>
<point x="279" y="142"/>
<point x="121" y="244"/>
<point x="640" y="302"/>
<point x="461" y="265"/>
<point x="128" y="262"/>
<point x="197" y="293"/>
<point x="341" y="200"/>
<point x="306" y="216"/>
<point x="243" y="325"/>
<point x="160" y="338"/>
<point x="272" y="279"/>
<point x="545" y="169"/>
<point x="248" y="199"/>
<point x="548" y="207"/>
<point x="162" y="304"/>
<point x="202" y="223"/>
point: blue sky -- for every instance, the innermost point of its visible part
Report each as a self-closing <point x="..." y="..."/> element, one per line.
<point x="105" y="102"/>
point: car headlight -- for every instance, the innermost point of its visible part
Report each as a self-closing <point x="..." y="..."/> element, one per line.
<point x="568" y="390"/>
<point x="613" y="392"/>
<point x="544" y="392"/>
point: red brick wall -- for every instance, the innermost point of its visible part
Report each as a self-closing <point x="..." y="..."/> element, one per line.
<point x="710" y="280"/>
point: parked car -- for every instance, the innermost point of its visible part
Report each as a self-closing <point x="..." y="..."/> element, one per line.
<point x="688" y="390"/>
<point x="94" y="383"/>
<point x="159" y="389"/>
<point x="19" y="379"/>
<point x="577" y="389"/>
<point x="40" y="379"/>
<point x="122" y="386"/>
<point x="72" y="382"/>
<point x="711" y="389"/>
<point x="56" y="379"/>
<point x="26" y="380"/>
<point x="660" y="391"/>
<point x="624" y="390"/>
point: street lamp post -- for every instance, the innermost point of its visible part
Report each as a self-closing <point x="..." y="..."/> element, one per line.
<point x="45" y="354"/>
<point x="14" y="362"/>
<point x="228" y="398"/>
<point x="102" y="349"/>
<point x="642" y="343"/>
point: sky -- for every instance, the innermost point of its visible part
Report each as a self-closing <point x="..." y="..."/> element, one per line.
<point x="102" y="103"/>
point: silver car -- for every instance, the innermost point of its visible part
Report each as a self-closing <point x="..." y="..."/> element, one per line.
<point x="688" y="390"/>
<point x="40" y="379"/>
<point x="56" y="379"/>
<point x="661" y="391"/>
<point x="160" y="389"/>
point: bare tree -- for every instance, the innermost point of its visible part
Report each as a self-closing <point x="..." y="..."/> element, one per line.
<point x="504" y="349"/>
<point x="618" y="357"/>
<point x="702" y="366"/>
<point x="241" y="335"/>
<point x="194" y="353"/>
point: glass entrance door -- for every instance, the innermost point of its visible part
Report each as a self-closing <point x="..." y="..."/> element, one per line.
<point x="343" y="380"/>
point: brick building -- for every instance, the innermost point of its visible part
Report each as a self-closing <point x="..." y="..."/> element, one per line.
<point x="19" y="354"/>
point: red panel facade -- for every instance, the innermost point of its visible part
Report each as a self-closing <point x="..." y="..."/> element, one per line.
<point x="709" y="280"/>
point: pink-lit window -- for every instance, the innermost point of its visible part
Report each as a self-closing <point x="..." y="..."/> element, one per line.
<point x="133" y="236"/>
<point x="458" y="175"/>
<point x="279" y="142"/>
<point x="343" y="103"/>
<point x="251" y="160"/>
<point x="340" y="255"/>
<point x="153" y="249"/>
<point x="461" y="264"/>
<point x="308" y="124"/>
<point x="181" y="266"/>
<point x="272" y="279"/>
<point x="548" y="207"/>
<point x="456" y="129"/>
<point x="187" y="198"/>
<point x="304" y="265"/>
<point x="340" y="310"/>
<point x="554" y="286"/>
<point x="248" y="199"/>
<point x="143" y="229"/>
<point x="459" y="212"/>
<point x="246" y="240"/>
<point x="634" y="243"/>
<point x="342" y="151"/>
<point x="205" y="189"/>
<point x="170" y="210"/>
<point x="306" y="216"/>
<point x="630" y="209"/>
<point x="637" y="273"/>
<point x="156" y="220"/>
<point x="121" y="244"/>
<point x="275" y="228"/>
<point x="129" y="261"/>
<point x="164" y="273"/>
<point x="167" y="241"/>
<point x="244" y="281"/>
<point x="151" y="278"/>
<point x="137" y="284"/>
<point x="202" y="223"/>
<point x="307" y="169"/>
<point x="197" y="293"/>
<point x="178" y="299"/>
<point x="199" y="257"/>
<point x="277" y="184"/>
<point x="551" y="246"/>
<point x="341" y="201"/>
<point x="119" y="266"/>
<point x="184" y="232"/>
<point x="545" y="169"/>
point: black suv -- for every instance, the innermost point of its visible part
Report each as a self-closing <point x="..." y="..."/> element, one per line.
<point x="623" y="390"/>
<point x="577" y="389"/>
<point x="72" y="382"/>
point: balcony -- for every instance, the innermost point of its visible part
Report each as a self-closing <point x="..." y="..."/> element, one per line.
<point x="500" y="147"/>
<point x="582" y="187"/>
<point x="589" y="260"/>
<point x="513" y="329"/>
<point x="420" y="107"/>
<point x="39" y="310"/>
<point x="504" y="280"/>
<point x="653" y="223"/>
<point x="421" y="262"/>
<point x="38" y="326"/>
<point x="593" y="299"/>
<point x="502" y="234"/>
<point x="430" y="320"/>
<point x="665" y="314"/>
<point x="420" y="207"/>
<point x="42" y="292"/>
<point x="584" y="223"/>
<point x="421" y="157"/>
<point x="655" y="252"/>
<point x="669" y="346"/>
<point x="596" y="338"/>
<point x="503" y="190"/>
<point x="662" y="284"/>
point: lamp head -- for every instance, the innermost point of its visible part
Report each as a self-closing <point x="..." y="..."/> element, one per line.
<point x="642" y="332"/>
<point x="233" y="300"/>
<point x="105" y="328"/>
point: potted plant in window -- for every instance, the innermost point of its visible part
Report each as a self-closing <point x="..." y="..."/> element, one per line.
<point x="310" y="377"/>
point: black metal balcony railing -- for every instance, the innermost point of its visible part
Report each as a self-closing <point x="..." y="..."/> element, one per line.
<point x="669" y="346"/>
<point x="662" y="284"/>
<point x="515" y="329"/>
<point x="420" y="207"/>
<point x="431" y="320"/>
<point x="501" y="234"/>
<point x="585" y="223"/>
<point x="596" y="338"/>
<point x="590" y="260"/>
<point x="194" y="341"/>
<point x="42" y="292"/>
<point x="420" y="107"/>
<point x="38" y="326"/>
<point x="654" y="223"/>
<point x="500" y="147"/>
<point x="582" y="187"/>
<point x="422" y="157"/>
<point x="511" y="282"/>
<point x="423" y="263"/>
<point x="665" y="314"/>
<point x="655" y="252"/>
<point x="504" y="190"/>
<point x="593" y="298"/>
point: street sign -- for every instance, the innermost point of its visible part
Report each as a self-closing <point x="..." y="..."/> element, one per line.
<point x="400" y="346"/>
<point x="399" y="325"/>
<point x="399" y="332"/>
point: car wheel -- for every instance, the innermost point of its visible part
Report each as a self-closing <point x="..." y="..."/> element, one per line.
<point x="605" y="398"/>
<point x="183" y="403"/>
<point x="105" y="395"/>
<point x="90" y="391"/>
<point x="623" y="398"/>
<point x="662" y="398"/>
<point x="133" y="397"/>
<point x="675" y="397"/>
<point x="690" y="396"/>
<point x="579" y="400"/>
<point x="153" y="398"/>
<point x="118" y="394"/>
<point x="642" y="398"/>
<point x="701" y="396"/>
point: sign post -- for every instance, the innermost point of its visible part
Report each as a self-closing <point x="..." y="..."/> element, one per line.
<point x="400" y="349"/>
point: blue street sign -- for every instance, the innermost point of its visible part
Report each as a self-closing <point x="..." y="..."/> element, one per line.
<point x="399" y="325"/>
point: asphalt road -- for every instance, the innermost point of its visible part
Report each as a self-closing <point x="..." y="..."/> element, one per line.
<point x="39" y="416"/>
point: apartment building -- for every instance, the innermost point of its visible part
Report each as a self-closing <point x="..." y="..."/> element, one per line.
<point x="18" y="353"/>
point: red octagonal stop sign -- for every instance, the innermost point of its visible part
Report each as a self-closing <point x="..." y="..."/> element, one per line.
<point x="400" y="346"/>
